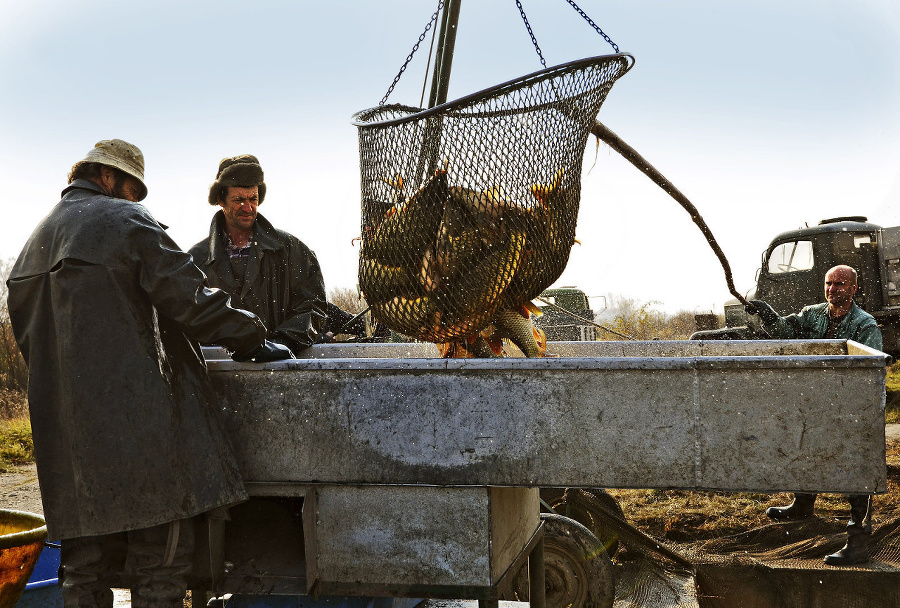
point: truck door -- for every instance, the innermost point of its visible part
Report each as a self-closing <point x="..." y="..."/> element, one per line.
<point x="889" y="315"/>
<point x="860" y="251"/>
<point x="889" y="254"/>
<point x="788" y="280"/>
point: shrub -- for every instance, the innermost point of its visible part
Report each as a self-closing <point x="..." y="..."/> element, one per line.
<point x="16" y="446"/>
<point x="13" y="404"/>
<point x="643" y="321"/>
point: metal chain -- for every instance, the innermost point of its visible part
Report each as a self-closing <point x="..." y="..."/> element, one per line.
<point x="531" y="33"/>
<point x="413" y="52"/>
<point x="593" y="25"/>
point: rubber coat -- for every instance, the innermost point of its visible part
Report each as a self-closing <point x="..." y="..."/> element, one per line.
<point x="107" y="311"/>
<point x="283" y="284"/>
<point x="811" y="323"/>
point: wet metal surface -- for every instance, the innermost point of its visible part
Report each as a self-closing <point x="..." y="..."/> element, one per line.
<point x="763" y="416"/>
<point x="391" y="539"/>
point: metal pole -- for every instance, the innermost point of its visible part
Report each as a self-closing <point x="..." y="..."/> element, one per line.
<point x="536" y="580"/>
<point x="438" y="57"/>
<point x="441" y="80"/>
<point x="440" y="84"/>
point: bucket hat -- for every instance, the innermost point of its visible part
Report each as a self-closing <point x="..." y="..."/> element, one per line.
<point x="121" y="155"/>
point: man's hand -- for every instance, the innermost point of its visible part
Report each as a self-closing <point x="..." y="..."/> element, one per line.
<point x="766" y="313"/>
<point x="272" y="351"/>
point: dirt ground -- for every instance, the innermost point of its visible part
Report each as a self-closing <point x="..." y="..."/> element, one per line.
<point x="20" y="491"/>
<point x="892" y="433"/>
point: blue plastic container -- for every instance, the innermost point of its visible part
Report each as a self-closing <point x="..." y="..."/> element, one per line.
<point x="42" y="590"/>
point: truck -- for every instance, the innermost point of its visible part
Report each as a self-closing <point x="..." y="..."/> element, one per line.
<point x="792" y="274"/>
<point x="560" y="326"/>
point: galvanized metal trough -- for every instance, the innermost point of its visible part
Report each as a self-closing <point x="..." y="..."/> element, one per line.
<point x="761" y="416"/>
<point x="383" y="470"/>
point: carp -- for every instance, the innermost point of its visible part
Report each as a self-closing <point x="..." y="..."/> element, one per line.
<point x="412" y="316"/>
<point x="380" y="282"/>
<point x="403" y="235"/>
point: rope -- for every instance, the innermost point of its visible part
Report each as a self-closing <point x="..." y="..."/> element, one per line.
<point x="428" y="63"/>
<point x="602" y="132"/>
<point x="352" y="321"/>
<point x="413" y="52"/>
<point x="573" y="315"/>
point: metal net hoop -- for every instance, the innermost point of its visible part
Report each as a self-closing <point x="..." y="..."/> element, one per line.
<point x="470" y="208"/>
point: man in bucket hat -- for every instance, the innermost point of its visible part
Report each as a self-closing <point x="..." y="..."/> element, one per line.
<point x="267" y="271"/>
<point x="108" y="312"/>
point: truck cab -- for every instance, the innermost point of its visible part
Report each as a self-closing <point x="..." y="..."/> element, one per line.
<point x="793" y="267"/>
<point x="559" y="326"/>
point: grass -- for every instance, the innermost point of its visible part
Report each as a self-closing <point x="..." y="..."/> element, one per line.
<point x="892" y="384"/>
<point x="681" y="516"/>
<point x="16" y="447"/>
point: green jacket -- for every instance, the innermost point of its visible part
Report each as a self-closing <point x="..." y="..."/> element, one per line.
<point x="811" y="323"/>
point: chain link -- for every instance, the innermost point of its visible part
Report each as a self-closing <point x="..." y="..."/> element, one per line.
<point x="593" y="25"/>
<point x="531" y="33"/>
<point x="527" y="26"/>
<point x="413" y="52"/>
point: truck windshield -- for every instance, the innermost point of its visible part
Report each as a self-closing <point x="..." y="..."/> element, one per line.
<point x="791" y="257"/>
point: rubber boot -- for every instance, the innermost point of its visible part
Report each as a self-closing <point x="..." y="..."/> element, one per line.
<point x="159" y="559"/>
<point x="89" y="567"/>
<point x="856" y="551"/>
<point x="801" y="508"/>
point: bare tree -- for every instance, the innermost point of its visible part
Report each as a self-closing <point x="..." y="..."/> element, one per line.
<point x="13" y="372"/>
<point x="643" y="321"/>
<point x="347" y="299"/>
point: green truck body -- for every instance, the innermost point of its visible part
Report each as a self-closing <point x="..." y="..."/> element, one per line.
<point x="792" y="275"/>
<point x="559" y="326"/>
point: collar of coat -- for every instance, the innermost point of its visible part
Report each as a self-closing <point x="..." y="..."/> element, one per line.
<point x="823" y="312"/>
<point x="86" y="184"/>
<point x="264" y="236"/>
<point x="82" y="184"/>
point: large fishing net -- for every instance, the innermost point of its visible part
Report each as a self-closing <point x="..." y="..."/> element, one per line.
<point x="469" y="208"/>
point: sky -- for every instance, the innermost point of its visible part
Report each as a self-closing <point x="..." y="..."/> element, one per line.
<point x="767" y="115"/>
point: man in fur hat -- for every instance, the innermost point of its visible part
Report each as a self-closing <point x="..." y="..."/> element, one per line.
<point x="267" y="271"/>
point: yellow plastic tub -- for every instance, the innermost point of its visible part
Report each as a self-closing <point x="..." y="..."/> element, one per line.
<point x="22" y="537"/>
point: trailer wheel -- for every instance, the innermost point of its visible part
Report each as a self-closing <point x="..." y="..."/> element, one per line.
<point x="570" y="503"/>
<point x="577" y="570"/>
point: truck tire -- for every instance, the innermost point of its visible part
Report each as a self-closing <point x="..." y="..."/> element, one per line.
<point x="590" y="511"/>
<point x="577" y="570"/>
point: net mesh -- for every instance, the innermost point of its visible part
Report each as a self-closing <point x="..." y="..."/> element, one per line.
<point x="774" y="566"/>
<point x="470" y="208"/>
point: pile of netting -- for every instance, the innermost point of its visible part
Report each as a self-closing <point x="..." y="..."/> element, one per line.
<point x="778" y="565"/>
<point x="469" y="208"/>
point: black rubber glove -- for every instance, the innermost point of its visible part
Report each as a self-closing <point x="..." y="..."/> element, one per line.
<point x="271" y="351"/>
<point x="765" y="312"/>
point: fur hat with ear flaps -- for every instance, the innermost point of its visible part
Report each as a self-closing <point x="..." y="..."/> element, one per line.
<point x="242" y="171"/>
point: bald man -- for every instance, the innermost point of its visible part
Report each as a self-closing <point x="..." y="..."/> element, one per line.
<point x="838" y="318"/>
